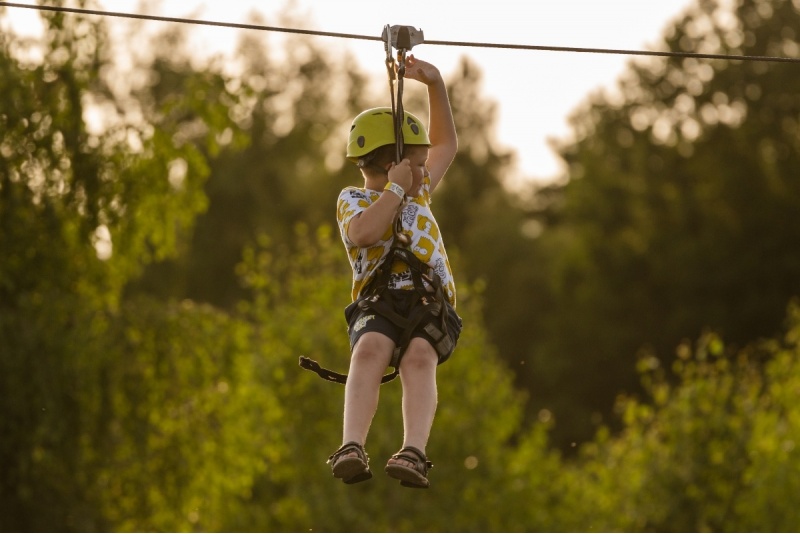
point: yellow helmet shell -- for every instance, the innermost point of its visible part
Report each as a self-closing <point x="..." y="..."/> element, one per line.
<point x="374" y="128"/>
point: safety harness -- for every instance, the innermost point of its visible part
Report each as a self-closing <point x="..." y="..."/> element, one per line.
<point x="375" y="296"/>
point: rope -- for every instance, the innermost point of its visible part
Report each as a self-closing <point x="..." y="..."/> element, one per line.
<point x="260" y="27"/>
<point x="398" y="116"/>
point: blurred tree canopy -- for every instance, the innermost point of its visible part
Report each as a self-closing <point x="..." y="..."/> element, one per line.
<point x="163" y="270"/>
<point x="678" y="212"/>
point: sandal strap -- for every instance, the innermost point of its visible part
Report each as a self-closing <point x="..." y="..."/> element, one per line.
<point x="421" y="461"/>
<point x="350" y="446"/>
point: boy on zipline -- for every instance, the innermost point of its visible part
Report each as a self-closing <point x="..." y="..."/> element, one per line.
<point x="404" y="296"/>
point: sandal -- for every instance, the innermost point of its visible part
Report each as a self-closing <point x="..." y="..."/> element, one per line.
<point x="411" y="477"/>
<point x="351" y="469"/>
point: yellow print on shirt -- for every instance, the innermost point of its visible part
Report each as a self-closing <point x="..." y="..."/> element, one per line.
<point x="427" y="225"/>
<point x="418" y="224"/>
<point x="424" y="249"/>
<point x="374" y="254"/>
<point x="387" y="235"/>
<point x="344" y="212"/>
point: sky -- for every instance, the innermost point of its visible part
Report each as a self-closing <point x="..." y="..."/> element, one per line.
<point x="535" y="91"/>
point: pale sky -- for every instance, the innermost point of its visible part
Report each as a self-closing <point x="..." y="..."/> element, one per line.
<point x="535" y="90"/>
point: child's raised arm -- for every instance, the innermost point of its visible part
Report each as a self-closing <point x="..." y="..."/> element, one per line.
<point x="442" y="130"/>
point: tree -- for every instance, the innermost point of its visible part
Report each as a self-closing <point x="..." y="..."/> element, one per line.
<point x="102" y="396"/>
<point x="299" y="298"/>
<point x="124" y="410"/>
<point x="712" y="451"/>
<point x="489" y="229"/>
<point x="287" y="167"/>
<point x="675" y="215"/>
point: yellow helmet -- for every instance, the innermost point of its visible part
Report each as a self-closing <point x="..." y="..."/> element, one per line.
<point x="374" y="128"/>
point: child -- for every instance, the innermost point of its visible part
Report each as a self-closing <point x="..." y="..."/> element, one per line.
<point x="366" y="218"/>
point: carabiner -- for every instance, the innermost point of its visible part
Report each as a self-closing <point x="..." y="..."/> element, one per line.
<point x="399" y="236"/>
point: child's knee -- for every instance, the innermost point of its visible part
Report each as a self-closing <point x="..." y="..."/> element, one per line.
<point x="373" y="348"/>
<point x="420" y="355"/>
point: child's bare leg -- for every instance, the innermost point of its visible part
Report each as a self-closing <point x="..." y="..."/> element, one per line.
<point x="371" y="356"/>
<point x="418" y="374"/>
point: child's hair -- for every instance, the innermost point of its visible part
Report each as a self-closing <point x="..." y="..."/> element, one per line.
<point x="378" y="158"/>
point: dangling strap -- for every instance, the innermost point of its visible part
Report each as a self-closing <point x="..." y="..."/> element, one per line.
<point x="332" y="376"/>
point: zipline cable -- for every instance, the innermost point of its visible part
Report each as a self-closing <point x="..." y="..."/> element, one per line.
<point x="260" y="27"/>
<point x="180" y="20"/>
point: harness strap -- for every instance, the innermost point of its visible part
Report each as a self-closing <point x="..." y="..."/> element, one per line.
<point x="407" y="324"/>
<point x="433" y="302"/>
<point x="332" y="376"/>
<point x="373" y="298"/>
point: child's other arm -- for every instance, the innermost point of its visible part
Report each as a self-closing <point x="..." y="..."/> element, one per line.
<point x="442" y="131"/>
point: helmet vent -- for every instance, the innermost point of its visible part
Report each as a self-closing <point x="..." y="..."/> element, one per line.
<point x="361" y="141"/>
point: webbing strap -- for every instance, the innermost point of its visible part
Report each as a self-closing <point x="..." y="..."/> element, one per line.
<point x="403" y="44"/>
<point x="397" y="72"/>
<point x="332" y="376"/>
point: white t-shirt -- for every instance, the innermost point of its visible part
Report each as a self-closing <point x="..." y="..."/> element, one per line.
<point x="417" y="222"/>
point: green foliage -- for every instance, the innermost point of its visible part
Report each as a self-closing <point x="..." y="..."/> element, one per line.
<point x="713" y="453"/>
<point x="477" y="405"/>
<point x="184" y="413"/>
<point x="674" y="219"/>
<point x="127" y="406"/>
<point x="288" y="167"/>
<point x="86" y="373"/>
<point x="487" y="228"/>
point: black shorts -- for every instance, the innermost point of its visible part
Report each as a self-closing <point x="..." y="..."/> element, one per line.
<point x="361" y="321"/>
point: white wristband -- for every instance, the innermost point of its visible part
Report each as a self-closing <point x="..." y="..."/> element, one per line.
<point x="396" y="189"/>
